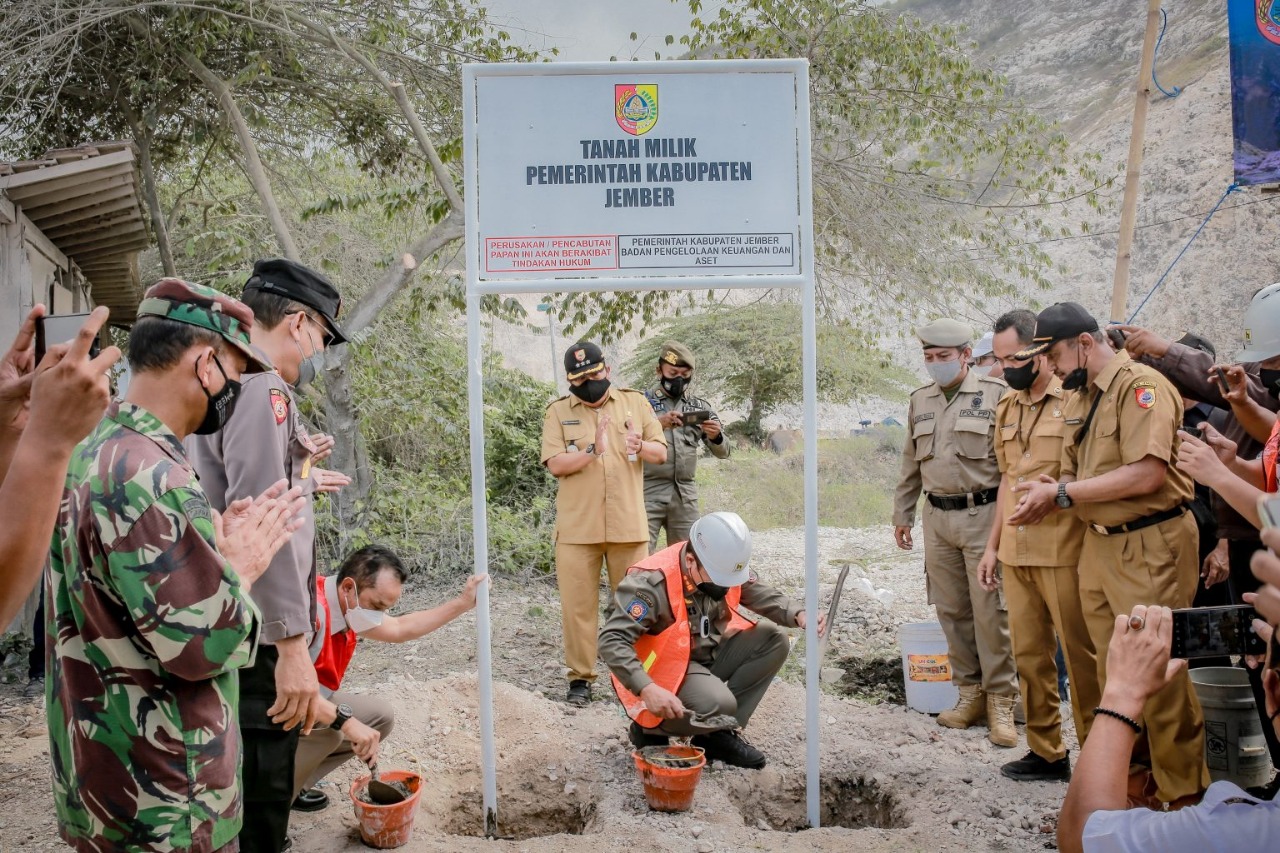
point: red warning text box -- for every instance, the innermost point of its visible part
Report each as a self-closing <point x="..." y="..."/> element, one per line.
<point x="572" y="253"/>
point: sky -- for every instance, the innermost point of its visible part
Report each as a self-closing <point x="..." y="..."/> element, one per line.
<point x="594" y="30"/>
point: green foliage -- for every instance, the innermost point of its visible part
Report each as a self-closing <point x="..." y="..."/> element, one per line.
<point x="856" y="479"/>
<point x="750" y="357"/>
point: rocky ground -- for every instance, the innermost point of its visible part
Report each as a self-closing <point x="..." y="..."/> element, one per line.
<point x="892" y="780"/>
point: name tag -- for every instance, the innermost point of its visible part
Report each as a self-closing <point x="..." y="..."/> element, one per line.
<point x="1074" y="421"/>
<point x="927" y="416"/>
<point x="977" y="413"/>
<point x="570" y="423"/>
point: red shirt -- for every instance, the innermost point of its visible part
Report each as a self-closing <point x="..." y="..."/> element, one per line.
<point x="1269" y="459"/>
<point x="339" y="646"/>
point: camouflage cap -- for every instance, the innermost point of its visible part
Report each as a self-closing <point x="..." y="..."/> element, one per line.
<point x="676" y="354"/>
<point x="207" y="308"/>
<point x="944" y="332"/>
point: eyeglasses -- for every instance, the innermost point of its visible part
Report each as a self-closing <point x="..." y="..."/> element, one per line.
<point x="326" y="336"/>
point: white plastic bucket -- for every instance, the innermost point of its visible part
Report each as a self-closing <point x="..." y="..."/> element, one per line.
<point x="1234" y="747"/>
<point x="926" y="669"/>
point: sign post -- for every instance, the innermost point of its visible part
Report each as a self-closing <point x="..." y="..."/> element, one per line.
<point x="638" y="176"/>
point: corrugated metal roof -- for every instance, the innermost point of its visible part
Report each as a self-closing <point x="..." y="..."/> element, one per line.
<point x="86" y="201"/>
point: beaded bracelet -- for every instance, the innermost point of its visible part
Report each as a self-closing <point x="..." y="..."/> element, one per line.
<point x="1128" y="721"/>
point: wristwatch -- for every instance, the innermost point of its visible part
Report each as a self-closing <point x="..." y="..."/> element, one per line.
<point x="1063" y="499"/>
<point x="591" y="448"/>
<point x="340" y="719"/>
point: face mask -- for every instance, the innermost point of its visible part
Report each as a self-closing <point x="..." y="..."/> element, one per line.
<point x="1021" y="378"/>
<point x="713" y="591"/>
<point x="674" y="386"/>
<point x="982" y="369"/>
<point x="310" y="364"/>
<point x="360" y="619"/>
<point x="221" y="405"/>
<point x="1270" y="380"/>
<point x="944" y="373"/>
<point x="1077" y="378"/>
<point x="591" y="391"/>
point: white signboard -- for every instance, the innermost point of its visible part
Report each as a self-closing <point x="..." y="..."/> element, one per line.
<point x="614" y="172"/>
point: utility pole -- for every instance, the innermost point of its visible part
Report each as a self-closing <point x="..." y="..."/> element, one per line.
<point x="551" y="330"/>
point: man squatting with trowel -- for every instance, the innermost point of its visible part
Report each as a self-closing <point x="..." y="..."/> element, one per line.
<point x="685" y="661"/>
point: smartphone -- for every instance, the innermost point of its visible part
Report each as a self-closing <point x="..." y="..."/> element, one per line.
<point x="1194" y="432"/>
<point x="1201" y="632"/>
<point x="693" y="417"/>
<point x="1222" y="381"/>
<point x="59" y="329"/>
<point x="1117" y="339"/>
<point x="1269" y="510"/>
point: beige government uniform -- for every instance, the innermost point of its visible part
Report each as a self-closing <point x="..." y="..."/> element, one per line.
<point x="1138" y="416"/>
<point x="600" y="514"/>
<point x="949" y="452"/>
<point x="727" y="675"/>
<point x="1040" y="578"/>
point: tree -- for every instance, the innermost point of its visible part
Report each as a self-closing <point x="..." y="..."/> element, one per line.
<point x="750" y="358"/>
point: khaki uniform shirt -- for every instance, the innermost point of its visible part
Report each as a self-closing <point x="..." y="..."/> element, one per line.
<point x="949" y="448"/>
<point x="1029" y="438"/>
<point x="1137" y="417"/>
<point x="265" y="440"/>
<point x="603" y="502"/>
<point x="619" y="634"/>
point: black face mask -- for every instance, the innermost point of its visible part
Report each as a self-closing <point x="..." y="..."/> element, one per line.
<point x="1078" y="378"/>
<point x="221" y="405"/>
<point x="1021" y="378"/>
<point x="591" y="391"/>
<point x="674" y="386"/>
<point x="713" y="591"/>
<point x="1270" y="380"/>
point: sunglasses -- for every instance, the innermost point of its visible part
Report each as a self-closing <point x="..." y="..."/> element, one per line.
<point x="326" y="336"/>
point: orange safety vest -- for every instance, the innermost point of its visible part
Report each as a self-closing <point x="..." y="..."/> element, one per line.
<point x="665" y="655"/>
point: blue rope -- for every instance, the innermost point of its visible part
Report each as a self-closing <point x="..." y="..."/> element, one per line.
<point x="1231" y="189"/>
<point x="1177" y="90"/>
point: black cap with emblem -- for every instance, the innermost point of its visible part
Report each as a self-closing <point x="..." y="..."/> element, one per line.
<point x="1058" y="322"/>
<point x="582" y="358"/>
<point x="292" y="280"/>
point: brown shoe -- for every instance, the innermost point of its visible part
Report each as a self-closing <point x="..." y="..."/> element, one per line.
<point x="970" y="709"/>
<point x="1000" y="720"/>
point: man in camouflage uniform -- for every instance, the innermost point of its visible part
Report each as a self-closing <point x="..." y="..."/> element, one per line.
<point x="670" y="494"/>
<point x="147" y="622"/>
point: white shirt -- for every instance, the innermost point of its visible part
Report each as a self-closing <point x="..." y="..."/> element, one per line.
<point x="1227" y="820"/>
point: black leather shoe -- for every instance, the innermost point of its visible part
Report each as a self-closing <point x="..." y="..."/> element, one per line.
<point x="1033" y="768"/>
<point x="311" y="800"/>
<point x="579" y="693"/>
<point x="640" y="738"/>
<point x="728" y="746"/>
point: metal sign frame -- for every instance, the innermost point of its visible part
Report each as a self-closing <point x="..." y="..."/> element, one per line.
<point x="475" y="289"/>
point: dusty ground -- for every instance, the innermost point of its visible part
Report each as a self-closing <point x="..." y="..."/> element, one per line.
<point x="892" y="779"/>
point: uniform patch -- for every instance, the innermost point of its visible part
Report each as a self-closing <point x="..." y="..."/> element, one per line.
<point x="1145" y="396"/>
<point x="279" y="405"/>
<point x="196" y="509"/>
<point x="927" y="416"/>
<point x="977" y="400"/>
<point x="977" y="413"/>
<point x="637" y="609"/>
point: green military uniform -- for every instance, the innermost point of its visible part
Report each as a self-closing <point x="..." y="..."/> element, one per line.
<point x="599" y="512"/>
<point x="949" y="454"/>
<point x="1137" y="416"/>
<point x="728" y="675"/>
<point x="670" y="493"/>
<point x="147" y="625"/>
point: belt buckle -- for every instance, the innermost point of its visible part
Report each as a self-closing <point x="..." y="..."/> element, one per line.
<point x="972" y="504"/>
<point x="1099" y="529"/>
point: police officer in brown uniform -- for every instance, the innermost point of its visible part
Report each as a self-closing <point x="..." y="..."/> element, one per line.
<point x="1040" y="580"/>
<point x="295" y="320"/>
<point x="1140" y="540"/>
<point x="949" y="454"/>
<point x="684" y="659"/>
<point x="594" y="440"/>
<point x="670" y="494"/>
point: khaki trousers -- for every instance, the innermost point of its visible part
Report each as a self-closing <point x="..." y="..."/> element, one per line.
<point x="578" y="577"/>
<point x="1044" y="608"/>
<point x="324" y="750"/>
<point x="740" y="673"/>
<point x="973" y="620"/>
<point x="1154" y="565"/>
<point x="675" y="512"/>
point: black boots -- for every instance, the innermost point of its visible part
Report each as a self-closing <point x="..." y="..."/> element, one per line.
<point x="728" y="746"/>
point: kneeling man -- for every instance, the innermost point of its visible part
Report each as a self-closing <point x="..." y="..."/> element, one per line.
<point x="685" y="661"/>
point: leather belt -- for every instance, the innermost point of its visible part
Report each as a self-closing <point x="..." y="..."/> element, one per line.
<point x="1138" y="524"/>
<point x="969" y="501"/>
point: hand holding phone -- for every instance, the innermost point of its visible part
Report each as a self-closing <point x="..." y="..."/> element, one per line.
<point x="60" y="329"/>
<point x="1223" y="385"/>
<point x="693" y="417"/>
<point x="1215" y="631"/>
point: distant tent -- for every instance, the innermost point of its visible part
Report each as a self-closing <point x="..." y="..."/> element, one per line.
<point x="891" y="422"/>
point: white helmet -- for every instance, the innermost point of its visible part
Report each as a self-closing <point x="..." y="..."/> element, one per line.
<point x="1262" y="326"/>
<point x="722" y="544"/>
<point x="984" y="346"/>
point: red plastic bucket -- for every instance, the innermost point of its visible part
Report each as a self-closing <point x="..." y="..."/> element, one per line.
<point x="390" y="826"/>
<point x="670" y="775"/>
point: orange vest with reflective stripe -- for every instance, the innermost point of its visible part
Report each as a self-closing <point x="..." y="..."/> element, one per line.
<point x="665" y="655"/>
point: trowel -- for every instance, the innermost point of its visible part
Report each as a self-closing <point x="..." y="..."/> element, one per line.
<point x="831" y="612"/>
<point x="380" y="792"/>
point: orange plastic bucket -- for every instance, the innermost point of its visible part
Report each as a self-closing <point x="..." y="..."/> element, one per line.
<point x="670" y="775"/>
<point x="390" y="826"/>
